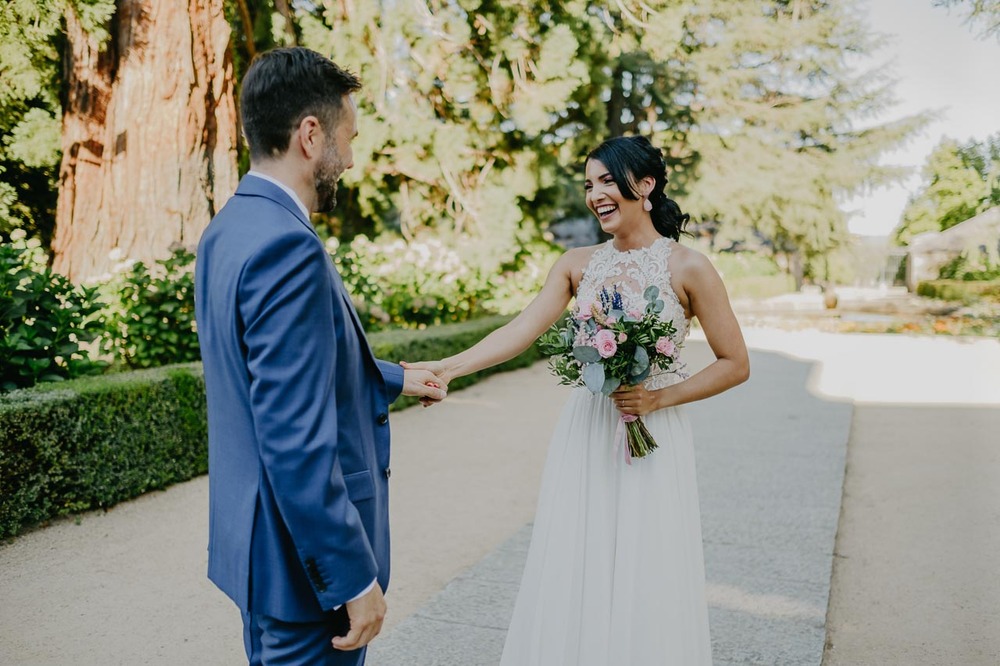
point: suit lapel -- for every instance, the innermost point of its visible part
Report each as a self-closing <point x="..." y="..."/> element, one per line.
<point x="252" y="186"/>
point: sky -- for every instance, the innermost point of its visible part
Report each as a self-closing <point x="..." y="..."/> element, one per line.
<point x="943" y="66"/>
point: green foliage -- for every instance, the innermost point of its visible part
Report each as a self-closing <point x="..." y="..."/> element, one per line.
<point x="45" y="320"/>
<point x="151" y="317"/>
<point x="961" y="290"/>
<point x="782" y="117"/>
<point x="476" y="113"/>
<point x="520" y="280"/>
<point x="751" y="274"/>
<point x="960" y="181"/>
<point x="411" y="285"/>
<point x="95" y="442"/>
<point x="970" y="267"/>
<point x="31" y="51"/>
<point x="430" y="282"/>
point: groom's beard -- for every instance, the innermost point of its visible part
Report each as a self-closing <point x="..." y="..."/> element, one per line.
<point x="327" y="174"/>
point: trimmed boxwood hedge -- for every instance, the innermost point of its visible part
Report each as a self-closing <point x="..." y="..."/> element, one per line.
<point x="960" y="290"/>
<point x="93" y="442"/>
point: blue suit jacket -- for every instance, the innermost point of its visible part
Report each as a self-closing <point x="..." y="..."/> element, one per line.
<point x="297" y="415"/>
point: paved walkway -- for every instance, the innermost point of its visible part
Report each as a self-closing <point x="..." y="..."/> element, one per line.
<point x="127" y="586"/>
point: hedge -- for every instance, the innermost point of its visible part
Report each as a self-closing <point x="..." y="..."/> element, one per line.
<point x="93" y="442"/>
<point x="960" y="290"/>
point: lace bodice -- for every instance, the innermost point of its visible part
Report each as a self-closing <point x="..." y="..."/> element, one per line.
<point x="631" y="272"/>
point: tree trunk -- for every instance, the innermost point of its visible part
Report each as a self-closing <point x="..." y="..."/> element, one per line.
<point x="149" y="134"/>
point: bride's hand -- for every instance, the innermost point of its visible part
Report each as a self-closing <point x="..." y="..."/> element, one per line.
<point x="635" y="400"/>
<point x="430" y="374"/>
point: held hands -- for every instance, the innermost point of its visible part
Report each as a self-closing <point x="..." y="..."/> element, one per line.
<point x="366" y="614"/>
<point x="423" y="383"/>
<point x="636" y="400"/>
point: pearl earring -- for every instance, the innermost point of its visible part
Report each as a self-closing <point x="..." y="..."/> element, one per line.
<point x="647" y="205"/>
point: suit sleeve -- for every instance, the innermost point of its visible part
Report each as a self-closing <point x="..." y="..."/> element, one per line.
<point x="392" y="373"/>
<point x="286" y="302"/>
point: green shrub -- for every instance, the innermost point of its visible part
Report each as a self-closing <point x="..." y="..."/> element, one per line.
<point x="413" y="285"/>
<point x="151" y="317"/>
<point x="751" y="275"/>
<point x="970" y="267"/>
<point x="93" y="442"/>
<point x="520" y="280"/>
<point x="759" y="286"/>
<point x="44" y="319"/>
<point x="960" y="290"/>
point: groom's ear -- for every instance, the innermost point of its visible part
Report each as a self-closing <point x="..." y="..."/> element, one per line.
<point x="308" y="138"/>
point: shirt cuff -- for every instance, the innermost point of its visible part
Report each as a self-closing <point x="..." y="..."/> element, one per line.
<point x="363" y="593"/>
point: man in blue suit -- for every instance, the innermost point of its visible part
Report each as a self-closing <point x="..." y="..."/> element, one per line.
<point x="297" y="403"/>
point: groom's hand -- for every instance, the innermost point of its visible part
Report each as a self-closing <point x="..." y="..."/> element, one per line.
<point x="366" y="614"/>
<point x="424" y="384"/>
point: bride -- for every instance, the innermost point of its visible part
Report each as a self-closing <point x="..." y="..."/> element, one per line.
<point x="615" y="573"/>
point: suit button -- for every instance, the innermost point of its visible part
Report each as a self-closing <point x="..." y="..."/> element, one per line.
<point x="383" y="419"/>
<point x="388" y="472"/>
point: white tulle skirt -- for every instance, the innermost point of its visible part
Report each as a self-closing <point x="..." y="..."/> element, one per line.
<point x="615" y="574"/>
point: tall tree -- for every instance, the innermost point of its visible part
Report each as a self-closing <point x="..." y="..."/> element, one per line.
<point x="148" y="133"/>
<point x="477" y="113"/>
<point x="960" y="181"/>
<point x="783" y="127"/>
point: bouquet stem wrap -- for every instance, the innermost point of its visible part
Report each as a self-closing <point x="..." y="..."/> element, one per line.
<point x="633" y="436"/>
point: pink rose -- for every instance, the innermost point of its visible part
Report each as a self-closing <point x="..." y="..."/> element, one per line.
<point x="584" y="310"/>
<point x="622" y="337"/>
<point x="666" y="346"/>
<point x="605" y="343"/>
<point x="635" y="314"/>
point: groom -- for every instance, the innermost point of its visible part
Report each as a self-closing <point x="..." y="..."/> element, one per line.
<point x="297" y="403"/>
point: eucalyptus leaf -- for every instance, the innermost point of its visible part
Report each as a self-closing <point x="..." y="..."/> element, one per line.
<point x="586" y="354"/>
<point x="593" y="377"/>
<point x="652" y="293"/>
<point x="641" y="377"/>
<point x="658" y="307"/>
<point x="611" y="384"/>
<point x="641" y="360"/>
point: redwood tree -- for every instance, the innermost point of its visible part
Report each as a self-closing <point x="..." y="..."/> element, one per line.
<point x="149" y="133"/>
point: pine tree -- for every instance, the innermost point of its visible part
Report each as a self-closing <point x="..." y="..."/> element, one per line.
<point x="782" y="128"/>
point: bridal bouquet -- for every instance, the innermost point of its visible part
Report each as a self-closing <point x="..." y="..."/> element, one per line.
<point x="602" y="346"/>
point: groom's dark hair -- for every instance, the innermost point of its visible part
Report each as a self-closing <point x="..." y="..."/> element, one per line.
<point x="282" y="87"/>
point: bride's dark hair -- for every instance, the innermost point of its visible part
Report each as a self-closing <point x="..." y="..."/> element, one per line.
<point x="629" y="159"/>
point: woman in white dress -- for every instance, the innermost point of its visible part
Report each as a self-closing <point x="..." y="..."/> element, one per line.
<point x="615" y="573"/>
